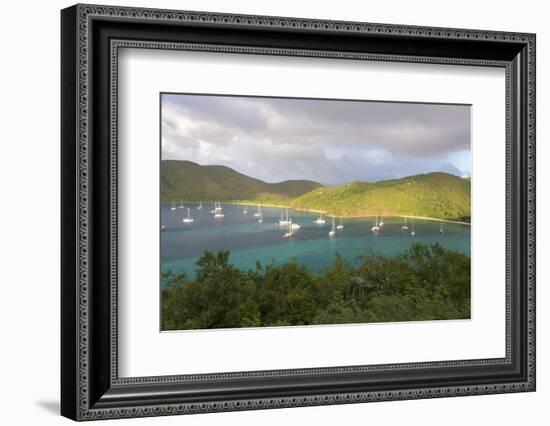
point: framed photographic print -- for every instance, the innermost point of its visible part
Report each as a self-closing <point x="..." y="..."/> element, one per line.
<point x="263" y="212"/>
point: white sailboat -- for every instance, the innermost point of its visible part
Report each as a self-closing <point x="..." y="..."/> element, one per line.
<point x="376" y="227"/>
<point x="188" y="219"/>
<point x="290" y="232"/>
<point x="181" y="205"/>
<point x="441" y="228"/>
<point x="405" y="227"/>
<point x="283" y="221"/>
<point x="173" y="206"/>
<point x="218" y="213"/>
<point x="332" y="232"/>
<point x="200" y="206"/>
<point x="412" y="226"/>
<point x="245" y="211"/>
<point x="320" y="220"/>
<point x="340" y="225"/>
<point x="259" y="212"/>
<point x="381" y="224"/>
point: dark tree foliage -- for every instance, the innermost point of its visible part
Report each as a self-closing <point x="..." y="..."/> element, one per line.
<point x="423" y="283"/>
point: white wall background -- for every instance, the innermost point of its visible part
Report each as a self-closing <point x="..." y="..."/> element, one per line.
<point x="29" y="212"/>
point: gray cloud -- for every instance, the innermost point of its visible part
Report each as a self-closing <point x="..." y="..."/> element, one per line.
<point x="329" y="141"/>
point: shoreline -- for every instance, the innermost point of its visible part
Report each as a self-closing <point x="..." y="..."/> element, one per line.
<point x="435" y="219"/>
<point x="242" y="203"/>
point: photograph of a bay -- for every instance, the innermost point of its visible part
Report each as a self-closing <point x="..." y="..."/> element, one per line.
<point x="298" y="212"/>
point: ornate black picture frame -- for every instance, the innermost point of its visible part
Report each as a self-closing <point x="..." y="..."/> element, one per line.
<point x="91" y="36"/>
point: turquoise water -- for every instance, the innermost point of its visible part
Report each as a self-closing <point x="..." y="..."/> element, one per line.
<point x="248" y="241"/>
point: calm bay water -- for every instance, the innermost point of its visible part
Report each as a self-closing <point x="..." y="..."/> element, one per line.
<point x="248" y="241"/>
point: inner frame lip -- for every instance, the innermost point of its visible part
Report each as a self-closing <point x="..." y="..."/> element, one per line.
<point x="117" y="44"/>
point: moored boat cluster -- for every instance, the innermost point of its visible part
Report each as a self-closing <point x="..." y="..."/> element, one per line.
<point x="289" y="226"/>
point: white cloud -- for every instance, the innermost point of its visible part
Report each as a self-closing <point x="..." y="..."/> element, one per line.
<point x="328" y="141"/>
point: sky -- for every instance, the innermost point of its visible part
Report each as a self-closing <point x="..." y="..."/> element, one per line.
<point x="328" y="141"/>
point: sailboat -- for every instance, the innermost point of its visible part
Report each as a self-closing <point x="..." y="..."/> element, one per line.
<point x="218" y="214"/>
<point x="412" y="232"/>
<point x="188" y="219"/>
<point x="441" y="228"/>
<point x="216" y="208"/>
<point x="181" y="205"/>
<point x="376" y="227"/>
<point x="381" y="224"/>
<point x="200" y="206"/>
<point x="259" y="212"/>
<point x="290" y="232"/>
<point x="320" y="220"/>
<point x="332" y="232"/>
<point x="245" y="211"/>
<point x="284" y="221"/>
<point x="340" y="226"/>
<point x="173" y="206"/>
<point x="405" y="227"/>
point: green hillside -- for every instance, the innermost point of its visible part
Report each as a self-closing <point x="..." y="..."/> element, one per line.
<point x="185" y="180"/>
<point x="437" y="195"/>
